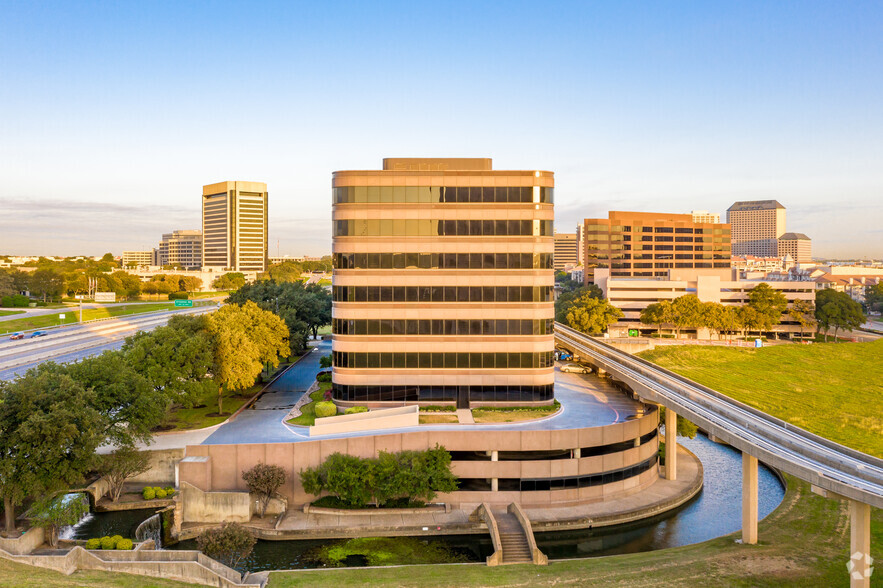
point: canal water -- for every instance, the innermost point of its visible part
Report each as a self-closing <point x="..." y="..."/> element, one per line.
<point x="714" y="512"/>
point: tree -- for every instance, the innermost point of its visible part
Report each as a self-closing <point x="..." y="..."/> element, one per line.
<point x="837" y="310"/>
<point x="229" y="281"/>
<point x="47" y="282"/>
<point x="686" y="313"/>
<point x="287" y="271"/>
<point x="108" y="257"/>
<point x="748" y="319"/>
<point x="56" y="512"/>
<point x="325" y="361"/>
<point x="803" y="313"/>
<point x="714" y="317"/>
<point x="731" y="319"/>
<point x="7" y="285"/>
<point x="122" y="464"/>
<point x="658" y="313"/>
<point x="769" y="304"/>
<point x="50" y="431"/>
<point x="567" y="298"/>
<point x="264" y="480"/>
<point x="874" y="296"/>
<point x="229" y="544"/>
<point x="189" y="284"/>
<point x="591" y="315"/>
<point x="127" y="285"/>
<point x="346" y="476"/>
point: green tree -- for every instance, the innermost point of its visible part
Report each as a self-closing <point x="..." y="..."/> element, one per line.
<point x="748" y="319"/>
<point x="837" y="310"/>
<point x="7" y="284"/>
<point x="229" y="544"/>
<point x="346" y="476"/>
<point x="120" y="465"/>
<point x="127" y="285"/>
<point x="659" y="314"/>
<point x="108" y="258"/>
<point x="803" y="313"/>
<point x="325" y="361"/>
<point x="47" y="283"/>
<point x="50" y="431"/>
<point x="229" y="281"/>
<point x="714" y="317"/>
<point x="591" y="315"/>
<point x="264" y="480"/>
<point x="568" y="297"/>
<point x="874" y="296"/>
<point x="686" y="313"/>
<point x="731" y="319"/>
<point x="769" y="304"/>
<point x="287" y="271"/>
<point x="189" y="284"/>
<point x="56" y="511"/>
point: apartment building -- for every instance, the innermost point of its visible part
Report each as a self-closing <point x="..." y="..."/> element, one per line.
<point x="648" y="244"/>
<point x="183" y="248"/>
<point x="234" y="226"/>
<point x="442" y="290"/>
<point x="797" y="245"/>
<point x="566" y="250"/>
<point x="756" y="226"/>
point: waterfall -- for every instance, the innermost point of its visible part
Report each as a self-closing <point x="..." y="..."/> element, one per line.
<point x="150" y="528"/>
<point x="70" y="532"/>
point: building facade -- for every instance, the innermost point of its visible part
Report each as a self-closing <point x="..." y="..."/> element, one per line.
<point x="756" y="227"/>
<point x="703" y="216"/>
<point x="183" y="248"/>
<point x="442" y="289"/>
<point x="234" y="226"/>
<point x="647" y="244"/>
<point x="139" y="258"/>
<point x="566" y="250"/>
<point x="797" y="245"/>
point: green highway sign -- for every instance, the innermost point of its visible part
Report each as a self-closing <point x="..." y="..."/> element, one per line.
<point x="183" y="303"/>
<point x="633" y="332"/>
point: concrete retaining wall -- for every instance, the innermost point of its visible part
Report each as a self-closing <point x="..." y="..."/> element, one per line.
<point x="386" y="418"/>
<point x="29" y="541"/>
<point x="162" y="468"/>
<point x="215" y="507"/>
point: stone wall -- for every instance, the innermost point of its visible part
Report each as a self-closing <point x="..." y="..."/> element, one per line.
<point x="29" y="541"/>
<point x="214" y="507"/>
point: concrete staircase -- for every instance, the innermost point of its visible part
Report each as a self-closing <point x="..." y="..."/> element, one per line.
<point x="516" y="548"/>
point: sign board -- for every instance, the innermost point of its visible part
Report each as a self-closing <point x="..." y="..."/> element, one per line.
<point x="633" y="332"/>
<point x="61" y="316"/>
<point x="105" y="297"/>
<point x="183" y="303"/>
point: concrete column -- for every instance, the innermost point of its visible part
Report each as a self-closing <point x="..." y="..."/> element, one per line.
<point x="859" y="544"/>
<point x="749" y="499"/>
<point x="495" y="455"/>
<point x="577" y="453"/>
<point x="495" y="484"/>
<point x="671" y="444"/>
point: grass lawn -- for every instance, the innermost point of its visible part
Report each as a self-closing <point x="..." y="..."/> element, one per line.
<point x="72" y="315"/>
<point x="435" y="418"/>
<point x="17" y="575"/>
<point x="10" y="312"/>
<point x="513" y="414"/>
<point x="805" y="542"/>
<point x="831" y="389"/>
<point x="307" y="416"/>
<point x="185" y="419"/>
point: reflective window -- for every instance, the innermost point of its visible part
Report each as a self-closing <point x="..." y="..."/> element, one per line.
<point x="483" y="261"/>
<point x="441" y="194"/>
<point x="441" y="228"/>
<point x="441" y="294"/>
<point x="414" y="393"/>
<point x="383" y="360"/>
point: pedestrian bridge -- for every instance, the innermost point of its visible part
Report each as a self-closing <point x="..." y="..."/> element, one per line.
<point x="833" y="470"/>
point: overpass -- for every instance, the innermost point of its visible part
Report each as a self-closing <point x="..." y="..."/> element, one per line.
<point x="833" y="470"/>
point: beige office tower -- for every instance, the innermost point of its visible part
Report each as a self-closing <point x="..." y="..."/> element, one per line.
<point x="442" y="289"/>
<point x="182" y="248"/>
<point x="797" y="245"/>
<point x="234" y="226"/>
<point x="703" y="216"/>
<point x="566" y="247"/>
<point x="756" y="227"/>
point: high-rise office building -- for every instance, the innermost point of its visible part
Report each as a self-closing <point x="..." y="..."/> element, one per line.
<point x="565" y="250"/>
<point x="234" y="226"/>
<point x="645" y="244"/>
<point x="580" y="239"/>
<point x="182" y="248"/>
<point x="703" y="216"/>
<point x="442" y="289"/>
<point x="756" y="227"/>
<point x="797" y="245"/>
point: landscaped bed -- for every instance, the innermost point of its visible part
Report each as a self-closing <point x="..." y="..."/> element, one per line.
<point x="511" y="414"/>
<point x="307" y="416"/>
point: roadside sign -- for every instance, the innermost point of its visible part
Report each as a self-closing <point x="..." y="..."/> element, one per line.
<point x="61" y="316"/>
<point x="105" y="297"/>
<point x="183" y="303"/>
<point x="633" y="332"/>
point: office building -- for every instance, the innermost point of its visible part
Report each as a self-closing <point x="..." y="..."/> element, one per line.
<point x="139" y="258"/>
<point x="442" y="289"/>
<point x="797" y="245"/>
<point x="648" y="244"/>
<point x="756" y="227"/>
<point x="703" y="216"/>
<point x="182" y="248"/>
<point x="580" y="239"/>
<point x="565" y="251"/>
<point x="234" y="226"/>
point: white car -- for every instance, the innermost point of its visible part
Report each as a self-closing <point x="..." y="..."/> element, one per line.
<point x="575" y="368"/>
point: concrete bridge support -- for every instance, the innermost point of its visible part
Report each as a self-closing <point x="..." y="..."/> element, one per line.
<point x="749" y="499"/>
<point x="671" y="444"/>
<point x="859" y="544"/>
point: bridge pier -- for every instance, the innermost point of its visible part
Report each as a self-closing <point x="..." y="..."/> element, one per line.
<point x="859" y="544"/>
<point x="749" y="499"/>
<point x="671" y="444"/>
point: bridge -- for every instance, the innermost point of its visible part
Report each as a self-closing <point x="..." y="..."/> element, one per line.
<point x="834" y="471"/>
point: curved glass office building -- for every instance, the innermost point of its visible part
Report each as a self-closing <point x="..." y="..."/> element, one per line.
<point x="443" y="284"/>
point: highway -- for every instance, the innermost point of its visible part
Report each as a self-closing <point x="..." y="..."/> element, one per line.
<point x="809" y="457"/>
<point x="73" y="343"/>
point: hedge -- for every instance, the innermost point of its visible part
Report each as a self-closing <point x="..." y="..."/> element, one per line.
<point x="355" y="409"/>
<point x="325" y="409"/>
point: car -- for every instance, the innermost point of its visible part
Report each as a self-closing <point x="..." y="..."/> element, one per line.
<point x="16" y="336"/>
<point x="575" y="368"/>
<point x="38" y="334"/>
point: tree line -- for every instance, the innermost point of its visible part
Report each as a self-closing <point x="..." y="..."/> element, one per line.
<point x="55" y="416"/>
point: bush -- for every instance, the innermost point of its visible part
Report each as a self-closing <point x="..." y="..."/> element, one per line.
<point x="229" y="544"/>
<point x="170" y="491"/>
<point x="438" y="408"/>
<point x="264" y="480"/>
<point x="6" y="301"/>
<point x="125" y="544"/>
<point x="325" y="409"/>
<point x="179" y="296"/>
<point x="108" y="542"/>
<point x="355" y="410"/>
<point x="93" y="544"/>
<point x="160" y="493"/>
<point x="148" y="493"/>
<point x="20" y="301"/>
<point x="116" y="539"/>
<point x="323" y="377"/>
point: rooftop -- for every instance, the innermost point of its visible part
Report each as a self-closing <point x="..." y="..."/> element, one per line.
<point x="755" y="205"/>
<point x="794" y="237"/>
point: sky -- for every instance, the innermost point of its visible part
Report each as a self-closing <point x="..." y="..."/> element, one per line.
<point x="114" y="114"/>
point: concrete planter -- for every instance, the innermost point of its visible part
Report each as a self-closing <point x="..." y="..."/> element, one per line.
<point x="310" y="509"/>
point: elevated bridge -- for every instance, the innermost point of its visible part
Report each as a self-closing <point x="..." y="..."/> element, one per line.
<point x="833" y="470"/>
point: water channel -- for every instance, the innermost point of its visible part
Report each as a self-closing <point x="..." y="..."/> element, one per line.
<point x="714" y="512"/>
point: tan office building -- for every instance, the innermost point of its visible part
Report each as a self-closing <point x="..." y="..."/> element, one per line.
<point x="703" y="216"/>
<point x="442" y="289"/>
<point x="234" y="226"/>
<point x="183" y="248"/>
<point x="647" y="244"/>
<point x="139" y="258"/>
<point x="756" y="227"/>
<point x="797" y="245"/>
<point x="566" y="245"/>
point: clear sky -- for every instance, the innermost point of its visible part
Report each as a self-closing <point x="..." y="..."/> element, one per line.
<point x="114" y="114"/>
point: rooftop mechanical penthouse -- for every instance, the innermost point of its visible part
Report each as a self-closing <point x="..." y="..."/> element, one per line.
<point x="443" y="284"/>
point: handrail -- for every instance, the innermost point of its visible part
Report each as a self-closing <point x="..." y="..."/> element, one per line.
<point x="539" y="558"/>
<point x="484" y="512"/>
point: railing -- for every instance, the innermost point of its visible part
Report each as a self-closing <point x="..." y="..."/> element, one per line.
<point x="538" y="557"/>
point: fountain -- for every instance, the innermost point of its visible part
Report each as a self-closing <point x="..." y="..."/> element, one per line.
<point x="150" y="528"/>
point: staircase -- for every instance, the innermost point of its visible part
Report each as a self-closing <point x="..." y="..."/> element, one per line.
<point x="514" y="543"/>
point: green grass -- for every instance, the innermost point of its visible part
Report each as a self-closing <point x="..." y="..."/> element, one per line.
<point x="184" y="419"/>
<point x="72" y="315"/>
<point x="307" y="416"/>
<point x="14" y="575"/>
<point x="10" y="312"/>
<point x="387" y="551"/>
<point x="804" y="542"/>
<point x="832" y="390"/>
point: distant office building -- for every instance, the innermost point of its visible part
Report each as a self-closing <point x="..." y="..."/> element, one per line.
<point x="139" y="258"/>
<point x="181" y="247"/>
<point x="756" y="227"/>
<point x="565" y="250"/>
<point x="234" y="226"/>
<point x="797" y="245"/>
<point x="442" y="284"/>
<point x="703" y="216"/>
<point x="647" y="244"/>
<point x="580" y="239"/>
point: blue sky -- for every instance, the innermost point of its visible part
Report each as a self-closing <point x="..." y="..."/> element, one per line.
<point x="115" y="114"/>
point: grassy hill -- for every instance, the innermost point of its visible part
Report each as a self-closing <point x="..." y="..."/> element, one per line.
<point x="834" y="389"/>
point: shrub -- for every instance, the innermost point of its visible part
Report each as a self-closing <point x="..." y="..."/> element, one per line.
<point x="264" y="480"/>
<point x="327" y="395"/>
<point x="93" y="544"/>
<point x="179" y="295"/>
<point x="116" y="539"/>
<point x="325" y="409"/>
<point x="355" y="409"/>
<point x="148" y="493"/>
<point x="323" y="377"/>
<point x="438" y="408"/>
<point x="160" y="493"/>
<point x="107" y="542"/>
<point x="170" y="491"/>
<point x="6" y="301"/>
<point x="125" y="544"/>
<point x="229" y="544"/>
<point x="20" y="301"/>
